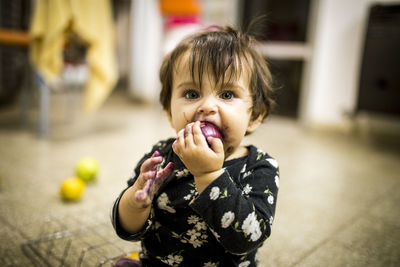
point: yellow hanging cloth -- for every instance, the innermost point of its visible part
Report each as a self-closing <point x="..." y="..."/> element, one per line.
<point x="92" y="21"/>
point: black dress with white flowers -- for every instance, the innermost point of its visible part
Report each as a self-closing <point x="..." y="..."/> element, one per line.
<point x="222" y="226"/>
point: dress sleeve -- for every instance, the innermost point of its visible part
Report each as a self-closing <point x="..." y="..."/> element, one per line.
<point x="118" y="228"/>
<point x="240" y="210"/>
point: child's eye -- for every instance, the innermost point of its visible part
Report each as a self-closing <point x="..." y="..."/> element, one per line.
<point x="227" y="95"/>
<point x="191" y="94"/>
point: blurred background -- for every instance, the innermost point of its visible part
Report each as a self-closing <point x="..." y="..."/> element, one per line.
<point x="80" y="79"/>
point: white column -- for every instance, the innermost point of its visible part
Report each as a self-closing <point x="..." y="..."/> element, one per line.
<point x="146" y="36"/>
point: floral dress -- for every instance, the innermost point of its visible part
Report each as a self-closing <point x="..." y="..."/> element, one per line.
<point x="222" y="226"/>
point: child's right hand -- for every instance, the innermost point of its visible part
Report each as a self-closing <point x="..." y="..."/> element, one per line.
<point x="150" y="179"/>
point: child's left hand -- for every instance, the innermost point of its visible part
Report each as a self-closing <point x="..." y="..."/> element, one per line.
<point x="199" y="158"/>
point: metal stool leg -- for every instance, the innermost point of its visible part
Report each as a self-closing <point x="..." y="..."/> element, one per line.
<point x="44" y="103"/>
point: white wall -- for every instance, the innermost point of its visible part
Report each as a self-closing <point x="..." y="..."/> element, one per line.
<point x="337" y="53"/>
<point x="145" y="56"/>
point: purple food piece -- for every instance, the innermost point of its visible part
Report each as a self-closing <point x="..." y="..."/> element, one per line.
<point x="210" y="130"/>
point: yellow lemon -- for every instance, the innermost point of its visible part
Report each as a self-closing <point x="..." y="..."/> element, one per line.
<point x="87" y="169"/>
<point x="72" y="189"/>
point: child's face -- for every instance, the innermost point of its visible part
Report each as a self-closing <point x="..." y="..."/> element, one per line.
<point x="228" y="107"/>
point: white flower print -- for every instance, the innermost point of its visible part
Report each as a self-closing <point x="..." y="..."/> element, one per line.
<point x="277" y="181"/>
<point x="247" y="189"/>
<point x="193" y="234"/>
<point x="260" y="154"/>
<point x="173" y="260"/>
<point x="210" y="264"/>
<point x="244" y="264"/>
<point x="193" y="219"/>
<point x="217" y="236"/>
<point x="163" y="201"/>
<point x="182" y="173"/>
<point x="229" y="176"/>
<point x="227" y="219"/>
<point x="252" y="227"/>
<point x="190" y="195"/>
<point x="244" y="168"/>
<point x="273" y="162"/>
<point x="201" y="226"/>
<point x="271" y="220"/>
<point x="196" y="243"/>
<point x="161" y="145"/>
<point x="214" y="194"/>
<point x="270" y="199"/>
<point x="247" y="173"/>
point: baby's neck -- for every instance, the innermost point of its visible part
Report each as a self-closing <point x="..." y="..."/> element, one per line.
<point x="239" y="152"/>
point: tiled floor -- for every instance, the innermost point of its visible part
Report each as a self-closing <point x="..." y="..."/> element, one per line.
<point x="337" y="204"/>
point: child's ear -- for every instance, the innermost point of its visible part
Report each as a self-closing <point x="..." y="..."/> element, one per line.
<point x="253" y="124"/>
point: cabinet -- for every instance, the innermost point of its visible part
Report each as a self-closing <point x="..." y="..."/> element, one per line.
<point x="284" y="35"/>
<point x="379" y="84"/>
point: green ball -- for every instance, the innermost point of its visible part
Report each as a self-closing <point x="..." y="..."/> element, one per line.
<point x="87" y="169"/>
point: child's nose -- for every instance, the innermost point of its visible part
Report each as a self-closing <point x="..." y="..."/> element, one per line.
<point x="208" y="106"/>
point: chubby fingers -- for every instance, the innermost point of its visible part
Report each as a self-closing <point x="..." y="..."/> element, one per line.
<point x="145" y="183"/>
<point x="144" y="177"/>
<point x="151" y="164"/>
<point x="148" y="170"/>
<point x="198" y="136"/>
<point x="153" y="182"/>
<point x="164" y="173"/>
<point x="188" y="134"/>
<point x="216" y="144"/>
<point x="161" y="176"/>
<point x="179" y="142"/>
<point x="142" y="195"/>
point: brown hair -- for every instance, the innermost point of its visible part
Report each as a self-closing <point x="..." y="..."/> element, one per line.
<point x="222" y="49"/>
